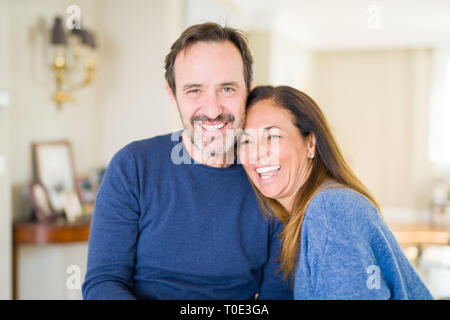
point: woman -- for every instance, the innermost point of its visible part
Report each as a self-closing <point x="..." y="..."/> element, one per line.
<point x="335" y="244"/>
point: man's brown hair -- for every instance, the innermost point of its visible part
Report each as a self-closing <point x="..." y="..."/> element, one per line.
<point x="209" y="32"/>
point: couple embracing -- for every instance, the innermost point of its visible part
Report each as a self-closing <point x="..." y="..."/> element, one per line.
<point x="273" y="212"/>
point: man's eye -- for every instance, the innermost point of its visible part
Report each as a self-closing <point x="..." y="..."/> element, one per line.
<point x="193" y="91"/>
<point x="228" y="89"/>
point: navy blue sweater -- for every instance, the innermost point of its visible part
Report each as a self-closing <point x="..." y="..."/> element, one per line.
<point x="165" y="230"/>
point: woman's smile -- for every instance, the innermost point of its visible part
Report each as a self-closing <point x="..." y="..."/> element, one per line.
<point x="267" y="172"/>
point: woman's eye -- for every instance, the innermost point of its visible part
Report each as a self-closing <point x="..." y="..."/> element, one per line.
<point x="273" y="137"/>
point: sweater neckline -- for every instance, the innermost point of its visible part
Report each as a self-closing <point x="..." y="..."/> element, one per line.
<point x="234" y="167"/>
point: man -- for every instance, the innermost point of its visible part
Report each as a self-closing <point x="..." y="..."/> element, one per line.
<point x="169" y="229"/>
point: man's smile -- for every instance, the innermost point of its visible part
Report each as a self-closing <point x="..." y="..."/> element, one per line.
<point x="214" y="127"/>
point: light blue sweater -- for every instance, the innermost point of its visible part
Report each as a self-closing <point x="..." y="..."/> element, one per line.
<point x="348" y="252"/>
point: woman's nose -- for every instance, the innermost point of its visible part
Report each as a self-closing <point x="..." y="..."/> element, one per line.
<point x="263" y="152"/>
<point x="258" y="153"/>
<point x="267" y="152"/>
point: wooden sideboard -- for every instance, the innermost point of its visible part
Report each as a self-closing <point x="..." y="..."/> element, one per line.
<point x="420" y="234"/>
<point x="37" y="233"/>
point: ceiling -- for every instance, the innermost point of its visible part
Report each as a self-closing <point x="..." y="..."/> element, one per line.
<point x="352" y="23"/>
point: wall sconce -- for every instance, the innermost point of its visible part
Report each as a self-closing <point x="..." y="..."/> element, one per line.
<point x="72" y="52"/>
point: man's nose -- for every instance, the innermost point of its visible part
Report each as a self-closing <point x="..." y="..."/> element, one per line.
<point x="212" y="108"/>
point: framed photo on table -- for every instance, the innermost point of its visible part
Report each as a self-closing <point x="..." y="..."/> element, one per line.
<point x="54" y="168"/>
<point x="40" y="202"/>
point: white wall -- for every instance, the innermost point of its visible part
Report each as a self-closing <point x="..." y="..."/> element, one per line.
<point x="127" y="101"/>
<point x="291" y="63"/>
<point x="279" y="60"/>
<point x="5" y="194"/>
<point x="259" y="43"/>
<point x="33" y="115"/>
<point x="377" y="104"/>
<point x="223" y="12"/>
<point x="135" y="37"/>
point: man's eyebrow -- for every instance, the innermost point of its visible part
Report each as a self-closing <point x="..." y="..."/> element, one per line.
<point x="229" y="83"/>
<point x="191" y="85"/>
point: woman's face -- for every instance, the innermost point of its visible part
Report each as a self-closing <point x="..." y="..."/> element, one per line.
<point x="273" y="152"/>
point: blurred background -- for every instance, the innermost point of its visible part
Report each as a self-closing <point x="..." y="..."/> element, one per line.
<point x="70" y="99"/>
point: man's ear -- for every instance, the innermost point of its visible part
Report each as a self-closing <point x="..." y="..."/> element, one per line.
<point x="172" y="96"/>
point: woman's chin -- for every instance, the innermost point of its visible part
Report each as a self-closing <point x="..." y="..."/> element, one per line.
<point x="269" y="191"/>
<point x="270" y="188"/>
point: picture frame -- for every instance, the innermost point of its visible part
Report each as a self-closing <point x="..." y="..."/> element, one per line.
<point x="72" y="205"/>
<point x="40" y="202"/>
<point x="54" y="169"/>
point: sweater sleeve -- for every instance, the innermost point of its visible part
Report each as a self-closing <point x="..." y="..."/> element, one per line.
<point x="344" y="271"/>
<point x="348" y="252"/>
<point x="335" y="260"/>
<point x="114" y="233"/>
<point x="273" y="286"/>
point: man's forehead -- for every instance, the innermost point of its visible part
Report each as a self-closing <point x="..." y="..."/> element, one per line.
<point x="204" y="46"/>
<point x="209" y="57"/>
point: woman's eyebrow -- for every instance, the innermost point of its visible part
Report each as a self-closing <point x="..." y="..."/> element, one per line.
<point x="265" y="128"/>
<point x="246" y="133"/>
<point x="271" y="127"/>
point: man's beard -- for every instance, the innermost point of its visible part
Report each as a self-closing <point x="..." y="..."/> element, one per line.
<point x="214" y="145"/>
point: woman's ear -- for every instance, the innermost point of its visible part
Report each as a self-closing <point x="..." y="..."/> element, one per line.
<point x="311" y="143"/>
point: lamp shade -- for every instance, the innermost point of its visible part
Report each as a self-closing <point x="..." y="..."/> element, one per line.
<point x="58" y="35"/>
<point x="84" y="37"/>
<point x="77" y="32"/>
<point x="88" y="39"/>
<point x="92" y="41"/>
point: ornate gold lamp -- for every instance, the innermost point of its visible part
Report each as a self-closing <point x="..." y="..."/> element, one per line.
<point x="72" y="53"/>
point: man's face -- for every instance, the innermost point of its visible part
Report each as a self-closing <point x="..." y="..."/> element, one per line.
<point x="210" y="94"/>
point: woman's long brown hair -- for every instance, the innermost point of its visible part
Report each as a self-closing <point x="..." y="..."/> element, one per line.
<point x="327" y="165"/>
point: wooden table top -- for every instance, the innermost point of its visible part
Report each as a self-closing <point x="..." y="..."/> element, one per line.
<point x="420" y="234"/>
<point x="64" y="232"/>
<point x="51" y="232"/>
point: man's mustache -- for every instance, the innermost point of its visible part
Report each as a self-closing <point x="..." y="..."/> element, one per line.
<point x="220" y="118"/>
